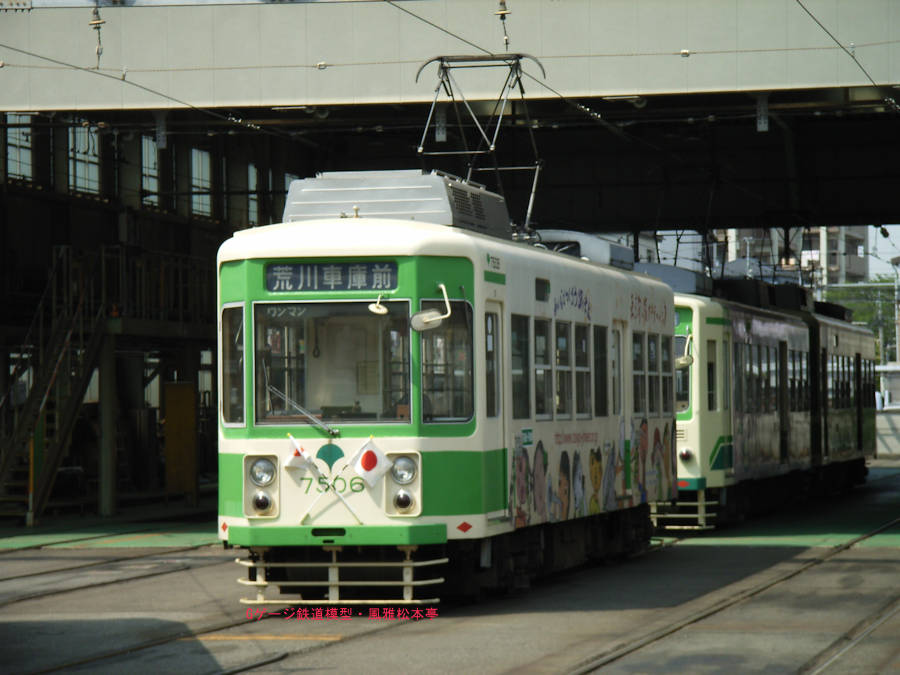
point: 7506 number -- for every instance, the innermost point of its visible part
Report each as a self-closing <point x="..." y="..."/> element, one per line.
<point x="339" y="484"/>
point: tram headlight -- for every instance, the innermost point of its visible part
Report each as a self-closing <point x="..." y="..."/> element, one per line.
<point x="685" y="454"/>
<point x="261" y="501"/>
<point x="403" y="471"/>
<point x="262" y="472"/>
<point x="403" y="501"/>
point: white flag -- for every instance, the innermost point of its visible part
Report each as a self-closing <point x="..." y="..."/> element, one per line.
<point x="371" y="463"/>
<point x="300" y="459"/>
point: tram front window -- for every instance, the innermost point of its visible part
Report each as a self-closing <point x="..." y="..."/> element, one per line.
<point x="331" y="362"/>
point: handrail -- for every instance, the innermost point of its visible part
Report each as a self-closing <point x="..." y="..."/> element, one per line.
<point x="32" y="327"/>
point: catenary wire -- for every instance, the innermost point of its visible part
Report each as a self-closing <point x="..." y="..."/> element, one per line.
<point x="212" y="113"/>
<point x="887" y="99"/>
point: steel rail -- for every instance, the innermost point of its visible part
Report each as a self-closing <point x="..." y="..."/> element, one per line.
<point x="622" y="650"/>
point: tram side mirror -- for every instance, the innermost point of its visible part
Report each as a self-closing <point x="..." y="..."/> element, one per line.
<point x="684" y="362"/>
<point x="426" y="319"/>
<point x="431" y="318"/>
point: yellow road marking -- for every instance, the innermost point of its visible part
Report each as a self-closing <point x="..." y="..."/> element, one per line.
<point x="326" y="638"/>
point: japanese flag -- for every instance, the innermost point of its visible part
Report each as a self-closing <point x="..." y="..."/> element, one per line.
<point x="370" y="463"/>
<point x="300" y="459"/>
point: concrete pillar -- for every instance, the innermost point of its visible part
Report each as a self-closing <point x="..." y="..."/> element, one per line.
<point x="108" y="404"/>
<point x="139" y="450"/>
<point x="734" y="244"/>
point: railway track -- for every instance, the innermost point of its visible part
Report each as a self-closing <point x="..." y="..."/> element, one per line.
<point x="199" y="618"/>
<point x="818" y="664"/>
<point x="12" y="590"/>
<point x="855" y="637"/>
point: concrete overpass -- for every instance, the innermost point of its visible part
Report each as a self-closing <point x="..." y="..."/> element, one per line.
<point x="712" y="113"/>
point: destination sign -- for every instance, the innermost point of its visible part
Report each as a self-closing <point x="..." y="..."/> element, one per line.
<point x="355" y="276"/>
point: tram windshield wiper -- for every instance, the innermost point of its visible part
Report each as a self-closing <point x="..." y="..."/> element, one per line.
<point x="303" y="411"/>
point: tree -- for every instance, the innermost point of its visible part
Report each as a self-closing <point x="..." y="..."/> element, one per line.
<point x="873" y="305"/>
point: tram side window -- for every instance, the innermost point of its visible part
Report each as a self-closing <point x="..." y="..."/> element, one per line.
<point x="765" y="378"/>
<point x="870" y="398"/>
<point x="839" y="389"/>
<point x="774" y="379"/>
<point x="682" y="378"/>
<point x="738" y="365"/>
<point x="726" y="376"/>
<point x="615" y="371"/>
<point x="639" y="378"/>
<point x="600" y="375"/>
<point x="563" y="369"/>
<point x="762" y="379"/>
<point x="665" y="366"/>
<point x="841" y="377"/>
<point x="233" y="365"/>
<point x="852" y="383"/>
<point x="447" y="372"/>
<point x="711" y="375"/>
<point x="831" y="378"/>
<point x="792" y="380"/>
<point x="521" y="370"/>
<point x="447" y="366"/>
<point x="752" y="378"/>
<point x="543" y="372"/>
<point x="835" y="396"/>
<point x="842" y="381"/>
<point x="850" y="377"/>
<point x="843" y="390"/>
<point x="582" y="371"/>
<point x="491" y="369"/>
<point x="868" y="393"/>
<point x="805" y="403"/>
<point x="653" y="374"/>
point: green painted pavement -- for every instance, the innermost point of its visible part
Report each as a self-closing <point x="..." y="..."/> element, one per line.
<point x="823" y="523"/>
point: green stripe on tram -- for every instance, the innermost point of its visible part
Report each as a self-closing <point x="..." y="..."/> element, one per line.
<point x="495" y="277"/>
<point x="457" y="483"/>
<point x="722" y="455"/>
<point x="350" y="535"/>
<point x="717" y="321"/>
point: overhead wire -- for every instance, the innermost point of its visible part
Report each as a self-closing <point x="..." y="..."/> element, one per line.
<point x="206" y="111"/>
<point x="438" y="27"/>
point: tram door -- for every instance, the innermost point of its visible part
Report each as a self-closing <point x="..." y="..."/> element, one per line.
<point x="492" y="413"/>
<point x="617" y="407"/>
<point x="784" y="418"/>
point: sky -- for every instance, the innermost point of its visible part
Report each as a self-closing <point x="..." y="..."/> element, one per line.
<point x="881" y="250"/>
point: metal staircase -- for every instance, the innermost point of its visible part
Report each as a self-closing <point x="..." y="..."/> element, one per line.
<point x="89" y="295"/>
<point x="54" y="365"/>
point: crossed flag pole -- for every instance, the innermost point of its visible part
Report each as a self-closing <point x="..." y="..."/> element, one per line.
<point x="329" y="486"/>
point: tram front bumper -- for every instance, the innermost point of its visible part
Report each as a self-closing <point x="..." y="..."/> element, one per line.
<point x="351" y="535"/>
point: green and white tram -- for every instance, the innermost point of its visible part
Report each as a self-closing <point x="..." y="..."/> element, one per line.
<point x="774" y="399"/>
<point x="402" y="385"/>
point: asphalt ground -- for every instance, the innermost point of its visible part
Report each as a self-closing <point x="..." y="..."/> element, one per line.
<point x="152" y="592"/>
